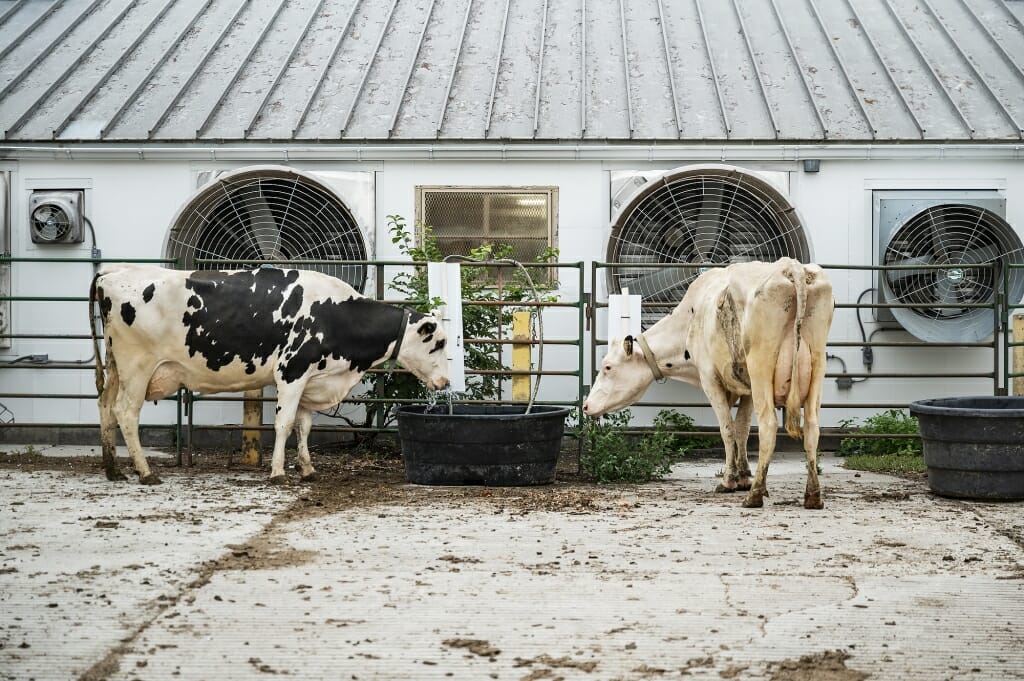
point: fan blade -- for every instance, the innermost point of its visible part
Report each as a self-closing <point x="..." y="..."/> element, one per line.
<point x="945" y="293"/>
<point x="709" y="228"/>
<point x="265" y="230"/>
<point x="944" y="240"/>
<point x="659" y="281"/>
<point x="900" y="275"/>
<point x="980" y="254"/>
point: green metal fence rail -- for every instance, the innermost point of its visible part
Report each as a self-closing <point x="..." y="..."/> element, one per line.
<point x="188" y="403"/>
<point x="998" y="346"/>
<point x="1011" y="370"/>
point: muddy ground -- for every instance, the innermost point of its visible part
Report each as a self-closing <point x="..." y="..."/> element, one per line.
<point x="215" y="574"/>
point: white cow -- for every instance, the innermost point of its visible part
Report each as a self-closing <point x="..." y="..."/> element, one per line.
<point x="311" y="335"/>
<point x="751" y="335"/>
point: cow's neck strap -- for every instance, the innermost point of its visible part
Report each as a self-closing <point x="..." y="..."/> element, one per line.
<point x="401" y="334"/>
<point x="649" y="358"/>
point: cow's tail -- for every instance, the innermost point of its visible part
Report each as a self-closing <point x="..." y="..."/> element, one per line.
<point x="100" y="374"/>
<point x="794" y="399"/>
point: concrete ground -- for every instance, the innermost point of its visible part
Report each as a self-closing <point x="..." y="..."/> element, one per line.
<point x="217" y="575"/>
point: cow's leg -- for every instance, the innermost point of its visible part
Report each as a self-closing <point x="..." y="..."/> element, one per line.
<point x="767" y="425"/>
<point x="127" y="406"/>
<point x="744" y="412"/>
<point x="288" y="396"/>
<point x="721" y="403"/>
<point x="812" y="430"/>
<point x="108" y="421"/>
<point x="303" y="424"/>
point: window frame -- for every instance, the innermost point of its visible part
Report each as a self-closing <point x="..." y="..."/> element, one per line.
<point x="486" y="236"/>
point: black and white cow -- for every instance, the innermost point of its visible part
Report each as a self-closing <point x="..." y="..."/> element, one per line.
<point x="311" y="335"/>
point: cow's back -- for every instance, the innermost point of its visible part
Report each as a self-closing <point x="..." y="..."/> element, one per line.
<point x="746" y="313"/>
<point x="210" y="331"/>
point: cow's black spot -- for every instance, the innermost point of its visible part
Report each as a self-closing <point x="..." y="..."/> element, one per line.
<point x="686" y="354"/>
<point x="322" y="365"/>
<point x="105" y="304"/>
<point x="668" y="365"/>
<point x="438" y="346"/>
<point x="128" y="313"/>
<point x="294" y="302"/>
<point x="357" y="329"/>
<point x="228" y="322"/>
<point x="300" y="338"/>
<point x="147" y="293"/>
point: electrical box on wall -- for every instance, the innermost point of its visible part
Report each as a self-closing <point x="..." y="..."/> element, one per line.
<point x="55" y="216"/>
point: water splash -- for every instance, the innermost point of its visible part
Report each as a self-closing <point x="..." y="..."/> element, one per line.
<point x="442" y="396"/>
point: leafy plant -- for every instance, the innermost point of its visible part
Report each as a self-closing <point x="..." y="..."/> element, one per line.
<point x="883" y="454"/>
<point x="672" y="421"/>
<point x="611" y="454"/>
<point x="479" y="321"/>
<point x="891" y="422"/>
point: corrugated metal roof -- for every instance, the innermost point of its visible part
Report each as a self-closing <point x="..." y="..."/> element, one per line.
<point x="473" y="70"/>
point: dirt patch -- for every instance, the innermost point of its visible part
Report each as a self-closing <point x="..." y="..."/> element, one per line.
<point x="345" y="482"/>
<point x="549" y="663"/>
<point x="475" y="646"/>
<point x="827" y="666"/>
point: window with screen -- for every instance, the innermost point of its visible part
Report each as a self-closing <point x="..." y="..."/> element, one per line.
<point x="462" y="218"/>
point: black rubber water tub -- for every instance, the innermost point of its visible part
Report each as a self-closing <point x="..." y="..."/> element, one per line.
<point x="973" y="446"/>
<point x="481" y="444"/>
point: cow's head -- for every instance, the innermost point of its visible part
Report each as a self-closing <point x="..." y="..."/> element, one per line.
<point x="622" y="379"/>
<point x="423" y="350"/>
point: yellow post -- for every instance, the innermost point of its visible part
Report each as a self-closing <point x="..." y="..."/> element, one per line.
<point x="1018" y="354"/>
<point x="521" y="355"/>
<point x="252" y="417"/>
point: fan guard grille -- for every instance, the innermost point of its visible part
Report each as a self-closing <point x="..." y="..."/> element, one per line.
<point x="51" y="223"/>
<point x="268" y="213"/>
<point x="954" y="236"/>
<point x="700" y="215"/>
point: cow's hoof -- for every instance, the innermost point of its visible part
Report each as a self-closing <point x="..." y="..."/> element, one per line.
<point x="813" y="501"/>
<point x="278" y="479"/>
<point x="722" y="489"/>
<point x="115" y="475"/>
<point x="744" y="484"/>
<point x="150" y="479"/>
<point x="312" y="477"/>
<point x="752" y="501"/>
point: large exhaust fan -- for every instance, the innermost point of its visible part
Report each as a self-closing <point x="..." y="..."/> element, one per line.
<point x="952" y="233"/>
<point x="273" y="213"/>
<point x="698" y="216"/>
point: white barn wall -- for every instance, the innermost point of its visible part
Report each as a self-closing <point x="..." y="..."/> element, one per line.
<point x="131" y="205"/>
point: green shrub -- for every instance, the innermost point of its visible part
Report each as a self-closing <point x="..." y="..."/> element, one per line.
<point x="893" y="422"/>
<point x="671" y="421"/>
<point x="610" y="454"/>
<point x="884" y="454"/>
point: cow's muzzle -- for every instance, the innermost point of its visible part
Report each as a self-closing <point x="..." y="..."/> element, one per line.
<point x="441" y="384"/>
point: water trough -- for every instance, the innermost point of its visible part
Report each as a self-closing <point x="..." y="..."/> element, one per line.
<point x="473" y="444"/>
<point x="973" y="446"/>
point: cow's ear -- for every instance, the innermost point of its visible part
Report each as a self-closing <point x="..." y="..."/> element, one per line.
<point x="427" y="328"/>
<point x="627" y="345"/>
